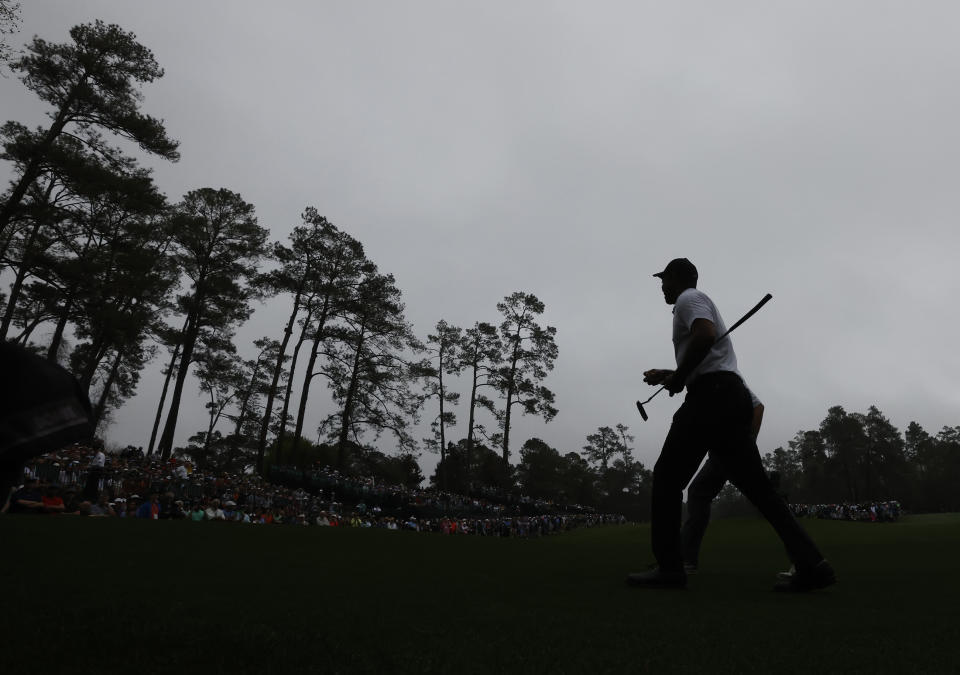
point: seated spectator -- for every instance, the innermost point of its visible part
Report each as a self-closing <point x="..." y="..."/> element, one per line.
<point x="197" y="513"/>
<point x="150" y="509"/>
<point x="132" y="504"/>
<point x="177" y="512"/>
<point x="230" y="510"/>
<point x="213" y="511"/>
<point x="52" y="501"/>
<point x="71" y="501"/>
<point x="28" y="499"/>
<point x="102" y="507"/>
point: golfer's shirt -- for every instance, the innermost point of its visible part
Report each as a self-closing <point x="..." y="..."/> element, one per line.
<point x="690" y="306"/>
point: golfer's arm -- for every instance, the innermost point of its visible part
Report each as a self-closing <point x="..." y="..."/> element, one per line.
<point x="703" y="333"/>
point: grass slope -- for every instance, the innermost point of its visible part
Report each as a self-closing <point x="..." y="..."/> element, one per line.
<point x="111" y="596"/>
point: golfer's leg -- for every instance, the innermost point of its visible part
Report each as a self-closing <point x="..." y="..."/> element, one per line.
<point x="683" y="450"/>
<point x="741" y="461"/>
<point x="702" y="491"/>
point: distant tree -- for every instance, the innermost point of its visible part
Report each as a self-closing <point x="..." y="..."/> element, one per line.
<point x="603" y="446"/>
<point x="626" y="487"/>
<point x="625" y="441"/>
<point x="402" y="469"/>
<point x="341" y="268"/>
<point x="887" y="469"/>
<point x="481" y="353"/>
<point x="220" y="246"/>
<point x="488" y="471"/>
<point x="578" y="481"/>
<point x="90" y="256"/>
<point x="253" y="385"/>
<point x="942" y="459"/>
<point x="784" y="463"/>
<point x="304" y="272"/>
<point x="917" y="446"/>
<point x="218" y="373"/>
<point x="540" y="469"/>
<point x="369" y="367"/>
<point x="817" y="479"/>
<point x="70" y="226"/>
<point x="529" y="354"/>
<point x="923" y="453"/>
<point x="845" y="443"/>
<point x="445" y="359"/>
<point x="120" y="303"/>
<point x="91" y="83"/>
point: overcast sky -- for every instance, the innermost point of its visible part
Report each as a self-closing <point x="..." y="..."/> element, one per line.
<point x="570" y="149"/>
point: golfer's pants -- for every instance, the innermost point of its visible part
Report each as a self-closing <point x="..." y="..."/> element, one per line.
<point x="715" y="417"/>
<point x="704" y="488"/>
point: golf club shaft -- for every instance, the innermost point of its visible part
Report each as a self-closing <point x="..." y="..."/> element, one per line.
<point x="654" y="394"/>
<point x="756" y="308"/>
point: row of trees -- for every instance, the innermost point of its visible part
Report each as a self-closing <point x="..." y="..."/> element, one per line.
<point x="104" y="274"/>
<point x="862" y="457"/>
<point x="603" y="474"/>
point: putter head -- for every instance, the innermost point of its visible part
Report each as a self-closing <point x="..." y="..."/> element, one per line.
<point x="643" y="413"/>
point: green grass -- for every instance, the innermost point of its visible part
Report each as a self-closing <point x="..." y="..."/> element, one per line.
<point x="112" y="596"/>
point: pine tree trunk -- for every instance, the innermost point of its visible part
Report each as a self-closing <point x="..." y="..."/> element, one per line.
<point x="272" y="392"/>
<point x="470" y="424"/>
<point x="510" y="393"/>
<point x="98" y="350"/>
<point x="163" y="398"/>
<point x="102" y="403"/>
<point x="165" y="445"/>
<point x="58" y="333"/>
<point x="443" y="443"/>
<point x="214" y="416"/>
<point x="289" y="388"/>
<point x="308" y="376"/>
<point x="347" y="413"/>
<point x="242" y="415"/>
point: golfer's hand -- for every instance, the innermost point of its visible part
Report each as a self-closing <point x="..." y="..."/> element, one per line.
<point x="656" y="376"/>
<point x="673" y="383"/>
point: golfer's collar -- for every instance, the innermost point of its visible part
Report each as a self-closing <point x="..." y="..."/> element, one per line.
<point x="680" y="295"/>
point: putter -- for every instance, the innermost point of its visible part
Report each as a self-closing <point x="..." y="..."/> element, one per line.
<point x="756" y="308"/>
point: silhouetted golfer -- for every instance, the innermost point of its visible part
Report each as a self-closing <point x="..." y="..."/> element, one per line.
<point x="42" y="408"/>
<point x="715" y="416"/>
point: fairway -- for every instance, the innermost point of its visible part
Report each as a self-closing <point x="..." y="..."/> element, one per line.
<point x="111" y="596"/>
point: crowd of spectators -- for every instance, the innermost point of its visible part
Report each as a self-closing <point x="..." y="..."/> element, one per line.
<point x="871" y="512"/>
<point x="86" y="482"/>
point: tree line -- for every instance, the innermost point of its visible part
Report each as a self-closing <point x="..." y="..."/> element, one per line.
<point x="105" y="275"/>
<point x="862" y="457"/>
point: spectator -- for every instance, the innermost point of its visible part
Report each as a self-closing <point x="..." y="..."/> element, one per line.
<point x="213" y="511"/>
<point x="150" y="509"/>
<point x="102" y="507"/>
<point x="94" y="476"/>
<point x="28" y="499"/>
<point x="197" y="513"/>
<point x="52" y="501"/>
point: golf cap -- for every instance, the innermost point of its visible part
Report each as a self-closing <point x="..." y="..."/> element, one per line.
<point x="681" y="268"/>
